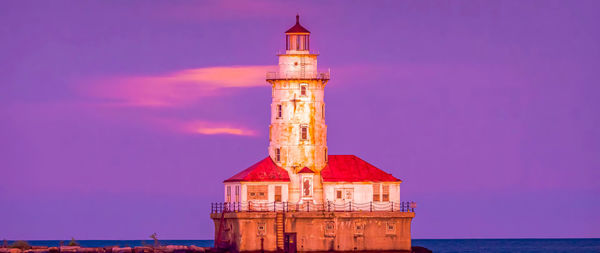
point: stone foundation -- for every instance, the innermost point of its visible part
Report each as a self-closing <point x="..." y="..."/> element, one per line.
<point x="317" y="231"/>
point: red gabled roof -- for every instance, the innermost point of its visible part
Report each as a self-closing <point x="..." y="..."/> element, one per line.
<point x="306" y="170"/>
<point x="349" y="168"/>
<point x="297" y="28"/>
<point x="265" y="170"/>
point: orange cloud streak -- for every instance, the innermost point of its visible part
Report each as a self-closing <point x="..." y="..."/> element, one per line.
<point x="177" y="88"/>
<point x="212" y="128"/>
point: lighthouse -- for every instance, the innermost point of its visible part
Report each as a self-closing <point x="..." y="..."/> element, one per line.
<point x="298" y="133"/>
<point x="300" y="197"/>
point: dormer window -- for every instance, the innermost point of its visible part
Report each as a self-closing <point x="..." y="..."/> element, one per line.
<point x="303" y="133"/>
<point x="303" y="90"/>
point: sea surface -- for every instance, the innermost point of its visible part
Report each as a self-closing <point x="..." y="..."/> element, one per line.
<point x="436" y="245"/>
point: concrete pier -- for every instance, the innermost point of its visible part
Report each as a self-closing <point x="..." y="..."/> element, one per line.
<point x="316" y="231"/>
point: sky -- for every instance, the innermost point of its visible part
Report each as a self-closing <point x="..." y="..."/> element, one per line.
<point x="119" y="119"/>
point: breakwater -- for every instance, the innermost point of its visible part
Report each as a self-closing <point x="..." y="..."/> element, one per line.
<point x="109" y="249"/>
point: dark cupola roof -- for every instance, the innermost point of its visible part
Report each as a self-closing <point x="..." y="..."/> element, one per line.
<point x="297" y="28"/>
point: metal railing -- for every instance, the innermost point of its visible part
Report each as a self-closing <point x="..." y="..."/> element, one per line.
<point x="299" y="75"/>
<point x="310" y="51"/>
<point x="257" y="206"/>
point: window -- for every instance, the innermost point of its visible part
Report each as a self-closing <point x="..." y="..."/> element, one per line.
<point x="330" y="229"/>
<point x="338" y="194"/>
<point x="257" y="192"/>
<point x="376" y="192"/>
<point x="323" y="111"/>
<point x="325" y="154"/>
<point x="359" y="228"/>
<point x="349" y="193"/>
<point x="390" y="228"/>
<point x="303" y="90"/>
<point x="262" y="228"/>
<point x="237" y="193"/>
<point x="228" y="194"/>
<point x="304" y="133"/>
<point x="279" y="111"/>
<point x="277" y="193"/>
<point x="386" y="193"/>
<point x="278" y="154"/>
<point x="307" y="186"/>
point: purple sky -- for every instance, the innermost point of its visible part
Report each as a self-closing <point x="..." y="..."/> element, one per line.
<point x="121" y="118"/>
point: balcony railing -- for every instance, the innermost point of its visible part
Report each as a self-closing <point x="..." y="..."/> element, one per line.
<point x="311" y="207"/>
<point x="311" y="51"/>
<point x="299" y="75"/>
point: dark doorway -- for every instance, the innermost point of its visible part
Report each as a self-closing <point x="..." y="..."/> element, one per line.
<point x="289" y="243"/>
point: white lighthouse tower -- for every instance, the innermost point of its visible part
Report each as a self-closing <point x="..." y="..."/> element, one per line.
<point x="298" y="133"/>
<point x="299" y="197"/>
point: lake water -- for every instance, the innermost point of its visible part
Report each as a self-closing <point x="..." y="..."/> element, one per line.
<point x="444" y="246"/>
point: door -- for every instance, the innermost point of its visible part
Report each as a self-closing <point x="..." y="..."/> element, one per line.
<point x="277" y="193"/>
<point x="289" y="243"/>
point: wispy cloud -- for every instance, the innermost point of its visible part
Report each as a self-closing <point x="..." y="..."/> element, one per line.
<point x="176" y="88"/>
<point x="201" y="127"/>
<point x="234" y="10"/>
<point x="213" y="128"/>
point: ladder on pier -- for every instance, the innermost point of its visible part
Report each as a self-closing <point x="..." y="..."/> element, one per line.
<point x="280" y="229"/>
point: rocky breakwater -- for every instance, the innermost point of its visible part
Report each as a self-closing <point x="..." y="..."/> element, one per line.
<point x="78" y="249"/>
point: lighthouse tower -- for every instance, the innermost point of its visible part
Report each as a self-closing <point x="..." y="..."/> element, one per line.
<point x="299" y="197"/>
<point x="298" y="133"/>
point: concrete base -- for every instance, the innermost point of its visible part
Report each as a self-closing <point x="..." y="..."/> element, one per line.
<point x="318" y="231"/>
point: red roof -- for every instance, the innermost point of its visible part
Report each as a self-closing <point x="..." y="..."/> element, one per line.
<point x="306" y="170"/>
<point x="349" y="168"/>
<point x="265" y="170"/>
<point x="297" y="28"/>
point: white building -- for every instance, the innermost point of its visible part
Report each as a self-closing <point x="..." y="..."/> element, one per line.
<point x="299" y="172"/>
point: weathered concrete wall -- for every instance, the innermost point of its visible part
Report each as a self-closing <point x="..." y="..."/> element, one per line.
<point x="299" y="110"/>
<point x="320" y="231"/>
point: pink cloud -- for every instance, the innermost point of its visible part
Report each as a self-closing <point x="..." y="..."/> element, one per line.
<point x="176" y="88"/>
<point x="227" y="10"/>
<point x="202" y="127"/>
<point x="213" y="128"/>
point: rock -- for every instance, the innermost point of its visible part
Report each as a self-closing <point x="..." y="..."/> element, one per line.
<point x="37" y="251"/>
<point x="91" y="250"/>
<point x="165" y="249"/>
<point x="13" y="250"/>
<point x="195" y="248"/>
<point x="121" y="250"/>
<point x="69" y="248"/>
<point x="419" y="249"/>
<point x="53" y="250"/>
<point x="143" y="249"/>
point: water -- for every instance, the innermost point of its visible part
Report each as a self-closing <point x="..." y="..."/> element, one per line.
<point x="441" y="246"/>
<point x="120" y="243"/>
<point x="509" y="245"/>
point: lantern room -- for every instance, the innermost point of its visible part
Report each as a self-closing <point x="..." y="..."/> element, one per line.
<point x="297" y="37"/>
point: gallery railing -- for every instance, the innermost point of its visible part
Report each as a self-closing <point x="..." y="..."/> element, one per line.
<point x="299" y="75"/>
<point x="257" y="206"/>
